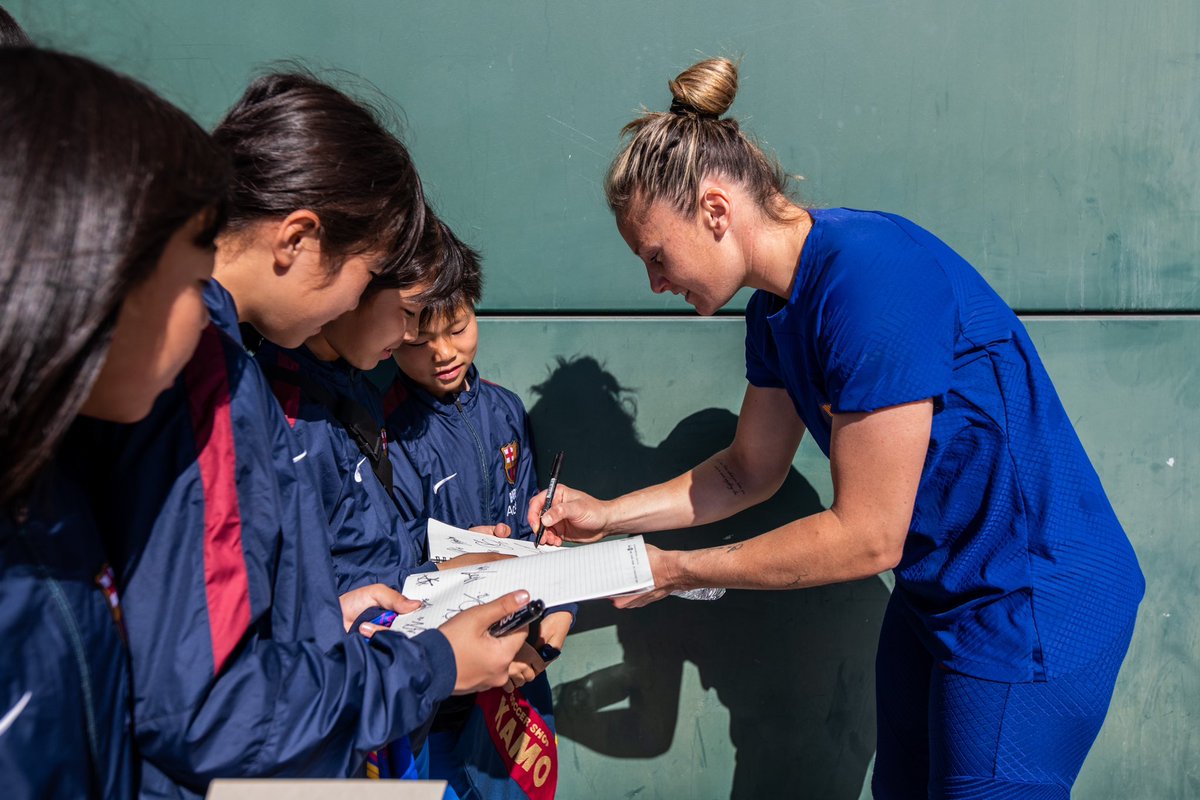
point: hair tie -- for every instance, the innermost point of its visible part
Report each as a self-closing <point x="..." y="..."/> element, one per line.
<point x="680" y="107"/>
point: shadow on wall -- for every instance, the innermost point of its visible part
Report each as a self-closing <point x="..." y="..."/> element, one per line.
<point x="795" y="670"/>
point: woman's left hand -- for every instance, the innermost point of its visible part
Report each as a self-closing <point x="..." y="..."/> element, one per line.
<point x="664" y="569"/>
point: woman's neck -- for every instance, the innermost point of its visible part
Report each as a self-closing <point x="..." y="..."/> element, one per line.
<point x="775" y="250"/>
<point x="320" y="347"/>
<point x="235" y="267"/>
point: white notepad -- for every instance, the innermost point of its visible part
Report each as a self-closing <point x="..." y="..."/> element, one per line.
<point x="554" y="575"/>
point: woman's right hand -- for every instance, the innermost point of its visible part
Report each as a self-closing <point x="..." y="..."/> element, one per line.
<point x="482" y="659"/>
<point x="575" y="516"/>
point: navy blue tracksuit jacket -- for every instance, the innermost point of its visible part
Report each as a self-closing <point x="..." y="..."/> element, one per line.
<point x="371" y="541"/>
<point x="466" y="460"/>
<point x="64" y="673"/>
<point x="241" y="665"/>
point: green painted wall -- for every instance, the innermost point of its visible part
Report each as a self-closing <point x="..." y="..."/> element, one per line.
<point x="1056" y="145"/>
<point x="765" y="692"/>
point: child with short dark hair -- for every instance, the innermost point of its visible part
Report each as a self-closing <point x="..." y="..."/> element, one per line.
<point x="463" y="451"/>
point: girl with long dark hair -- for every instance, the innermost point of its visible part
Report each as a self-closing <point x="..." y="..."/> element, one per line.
<point x="110" y="198"/>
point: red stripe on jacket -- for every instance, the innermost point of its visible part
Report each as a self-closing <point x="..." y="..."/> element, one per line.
<point x="226" y="585"/>
<point x="394" y="397"/>
<point x="288" y="394"/>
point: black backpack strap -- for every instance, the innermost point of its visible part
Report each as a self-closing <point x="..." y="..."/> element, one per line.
<point x="370" y="437"/>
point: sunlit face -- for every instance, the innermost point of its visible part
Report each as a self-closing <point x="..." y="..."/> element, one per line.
<point x="157" y="330"/>
<point x="305" y="299"/>
<point x="682" y="256"/>
<point x="438" y="358"/>
<point x="377" y="328"/>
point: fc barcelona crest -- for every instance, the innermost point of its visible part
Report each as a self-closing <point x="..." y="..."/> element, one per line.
<point x="509" y="451"/>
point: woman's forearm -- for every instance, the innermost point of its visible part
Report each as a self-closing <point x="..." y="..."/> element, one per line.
<point x="716" y="489"/>
<point x="816" y="550"/>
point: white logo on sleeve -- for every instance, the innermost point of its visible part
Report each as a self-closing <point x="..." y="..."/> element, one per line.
<point x="358" y="470"/>
<point x="8" y="719"/>
<point x="443" y="481"/>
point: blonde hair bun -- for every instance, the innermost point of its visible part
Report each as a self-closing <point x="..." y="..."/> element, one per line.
<point x="706" y="88"/>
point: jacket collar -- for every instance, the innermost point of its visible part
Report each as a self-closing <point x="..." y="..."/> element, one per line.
<point x="222" y="310"/>
<point x="338" y="375"/>
<point x="466" y="398"/>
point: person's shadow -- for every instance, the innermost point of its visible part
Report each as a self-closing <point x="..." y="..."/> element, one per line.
<point x="794" y="669"/>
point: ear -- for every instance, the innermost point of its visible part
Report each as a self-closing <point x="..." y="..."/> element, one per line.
<point x="715" y="211"/>
<point x="297" y="230"/>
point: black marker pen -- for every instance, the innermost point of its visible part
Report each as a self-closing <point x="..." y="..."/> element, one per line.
<point x="519" y="618"/>
<point x="555" y="468"/>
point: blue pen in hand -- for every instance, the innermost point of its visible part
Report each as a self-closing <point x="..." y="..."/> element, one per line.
<point x="555" y="468"/>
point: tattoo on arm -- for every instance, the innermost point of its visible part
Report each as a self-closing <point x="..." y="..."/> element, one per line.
<point x="731" y="481"/>
<point x="734" y="547"/>
<point x="801" y="578"/>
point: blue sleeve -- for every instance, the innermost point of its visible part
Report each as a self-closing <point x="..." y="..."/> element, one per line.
<point x="297" y="696"/>
<point x="299" y="709"/>
<point x="330" y="497"/>
<point x="760" y="347"/>
<point x="407" y="483"/>
<point x="414" y="530"/>
<point x="887" y="329"/>
<point x="241" y="665"/>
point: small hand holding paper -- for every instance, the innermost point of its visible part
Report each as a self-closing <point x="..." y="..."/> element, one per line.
<point x="356" y="601"/>
<point x="528" y="664"/>
<point x="499" y="530"/>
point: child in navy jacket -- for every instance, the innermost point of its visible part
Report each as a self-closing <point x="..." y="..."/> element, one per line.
<point x="110" y="198"/>
<point x="463" y="453"/>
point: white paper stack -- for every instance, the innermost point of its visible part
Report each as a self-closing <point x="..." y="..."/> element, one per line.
<point x="554" y="575"/>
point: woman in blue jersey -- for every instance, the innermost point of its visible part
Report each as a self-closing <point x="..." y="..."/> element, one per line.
<point x="110" y="198"/>
<point x="953" y="461"/>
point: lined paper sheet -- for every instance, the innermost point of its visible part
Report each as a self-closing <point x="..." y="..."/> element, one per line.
<point x="560" y="575"/>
